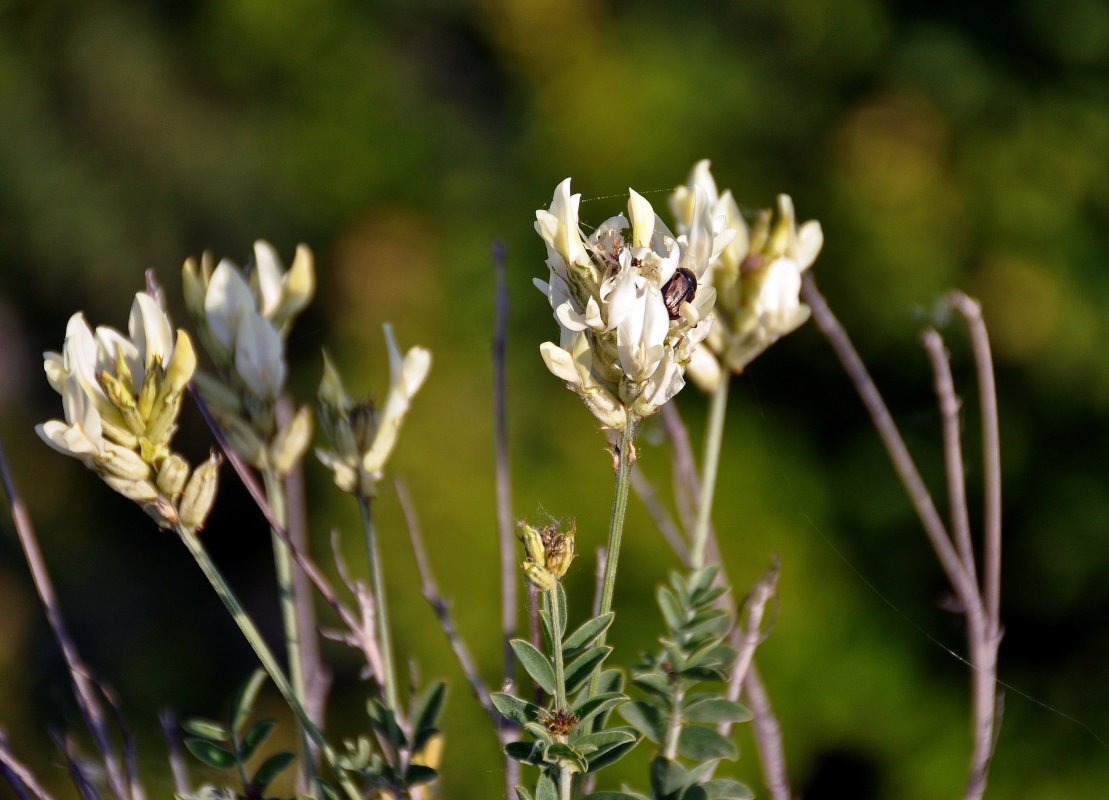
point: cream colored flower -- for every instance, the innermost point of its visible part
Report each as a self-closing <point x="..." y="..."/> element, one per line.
<point x="121" y="396"/>
<point x="632" y="301"/>
<point x="757" y="277"/>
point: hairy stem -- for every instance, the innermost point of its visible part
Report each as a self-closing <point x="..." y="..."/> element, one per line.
<point x="714" y="438"/>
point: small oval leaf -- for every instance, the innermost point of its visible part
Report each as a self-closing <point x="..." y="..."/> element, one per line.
<point x="701" y="743"/>
<point x="206" y="729"/>
<point x="536" y="664"/>
<point x="210" y="753"/>
<point x="582" y="667"/>
<point x="588" y="631"/>
<point x="271" y="767"/>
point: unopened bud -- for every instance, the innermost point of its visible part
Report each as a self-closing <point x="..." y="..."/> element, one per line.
<point x="149" y="392"/>
<point x="194" y="287"/>
<point x="200" y="493"/>
<point x="182" y="365"/>
<point x="161" y="510"/>
<point x="139" y="491"/>
<point x="291" y="441"/>
<point x="533" y="542"/>
<point x="538" y="577"/>
<point x="172" y="475"/>
<point x="243" y="440"/>
<point x="299" y="285"/>
<point x="122" y="463"/>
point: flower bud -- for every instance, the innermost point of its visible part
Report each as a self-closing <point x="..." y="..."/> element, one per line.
<point x="139" y="491"/>
<point x="122" y="463"/>
<point x="243" y="440"/>
<point x="172" y="475"/>
<point x="182" y="365"/>
<point x="538" y="577"/>
<point x="299" y="285"/>
<point x="533" y="542"/>
<point x="148" y="393"/>
<point x="200" y="493"/>
<point x="291" y="441"/>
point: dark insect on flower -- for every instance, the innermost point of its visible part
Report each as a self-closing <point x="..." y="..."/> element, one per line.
<point x="681" y="288"/>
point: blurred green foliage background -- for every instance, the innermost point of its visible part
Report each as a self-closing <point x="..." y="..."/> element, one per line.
<point x="940" y="144"/>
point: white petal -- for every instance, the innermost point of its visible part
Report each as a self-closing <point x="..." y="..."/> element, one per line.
<point x="268" y="270"/>
<point x="227" y="301"/>
<point x="642" y="217"/>
<point x="54" y="367"/>
<point x="260" y="356"/>
<point x="417" y="364"/>
<point x="808" y="242"/>
<point x="560" y="363"/>
<point x="150" y="331"/>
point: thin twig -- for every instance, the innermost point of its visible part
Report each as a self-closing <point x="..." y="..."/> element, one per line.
<point x="599" y="579"/>
<point x="365" y="637"/>
<point x="430" y="590"/>
<point x="82" y="782"/>
<point x="83" y="688"/>
<point x="750" y="635"/>
<point x="768" y="734"/>
<point x="129" y="760"/>
<point x="950" y="405"/>
<point x="170" y="732"/>
<point x="687" y="481"/>
<point x="18" y="776"/>
<point x="991" y="455"/>
<point x="891" y="438"/>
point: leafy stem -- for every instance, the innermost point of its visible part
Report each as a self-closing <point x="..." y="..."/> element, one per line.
<point x="616" y="525"/>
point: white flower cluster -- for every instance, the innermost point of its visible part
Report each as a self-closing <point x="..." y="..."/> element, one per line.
<point x="757" y="277"/>
<point x="636" y="303"/>
<point x="121" y="396"/>
<point x="632" y="301"/>
<point x="242" y="319"/>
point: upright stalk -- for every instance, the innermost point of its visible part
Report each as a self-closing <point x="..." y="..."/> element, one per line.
<point x="265" y="655"/>
<point x="283" y="568"/>
<point x="616" y="521"/>
<point x="565" y="776"/>
<point x="381" y="608"/>
<point x="714" y="438"/>
<point x="615" y="532"/>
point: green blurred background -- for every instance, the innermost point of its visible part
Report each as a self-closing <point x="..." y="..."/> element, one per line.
<point x="940" y="144"/>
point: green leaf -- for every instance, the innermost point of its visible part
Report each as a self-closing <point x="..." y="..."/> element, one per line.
<point x="545" y="788"/>
<point x="598" y="704"/>
<point x="702" y="579"/>
<point x="587" y="632"/>
<point x="612" y="680"/>
<point x="610" y="755"/>
<point x="255" y="736"/>
<point x="212" y="754"/>
<point x="645" y="718"/>
<point x="715" y="710"/>
<point x="536" y="664"/>
<point x="545" y="626"/>
<point x="671" y="608"/>
<point x="727" y="789"/>
<point x="206" y="729"/>
<point x="327" y="790"/>
<point x="271" y="767"/>
<point x="701" y="743"/>
<point x="385" y="722"/>
<point x="564" y="752"/>
<point x="602" y="741"/>
<point x="668" y="777"/>
<point x="528" y="752"/>
<point x="419" y="773"/>
<point x="707" y="596"/>
<point x="522" y="793"/>
<point x="560" y="594"/>
<point x="693" y="792"/>
<point x="581" y="668"/>
<point x="425" y="714"/>
<point x="514" y="709"/>
<point x="244" y="698"/>
<point x="655" y="683"/>
<point x="539" y="731"/>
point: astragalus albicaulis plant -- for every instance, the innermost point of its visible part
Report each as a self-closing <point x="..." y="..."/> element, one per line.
<point x="639" y="305"/>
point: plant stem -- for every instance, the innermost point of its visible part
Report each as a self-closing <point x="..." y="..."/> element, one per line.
<point x="714" y="438"/>
<point x="616" y="521"/>
<point x="381" y="609"/>
<point x="674" y="724"/>
<point x="556" y="650"/>
<point x="265" y="655"/>
<point x="283" y="569"/>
